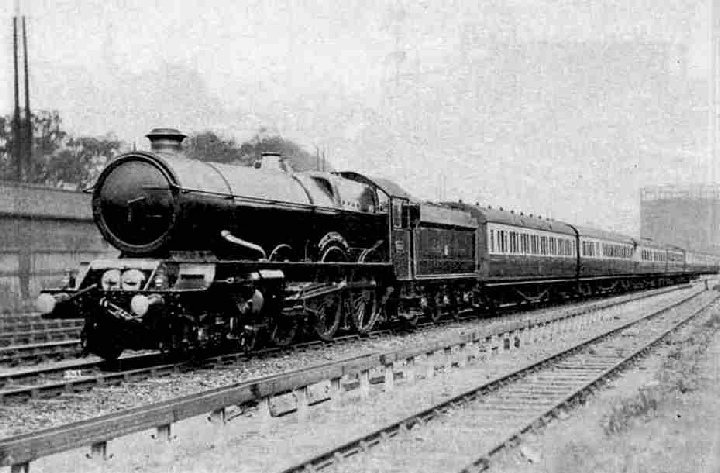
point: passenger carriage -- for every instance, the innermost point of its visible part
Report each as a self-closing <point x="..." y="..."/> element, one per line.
<point x="676" y="260"/>
<point x="652" y="258"/>
<point x="606" y="260"/>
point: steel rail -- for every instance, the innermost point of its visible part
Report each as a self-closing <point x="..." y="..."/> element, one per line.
<point x="20" y="450"/>
<point x="83" y="375"/>
<point x="483" y="462"/>
<point x="34" y="322"/>
<point x="381" y="435"/>
<point x="38" y="350"/>
<point x="17" y="338"/>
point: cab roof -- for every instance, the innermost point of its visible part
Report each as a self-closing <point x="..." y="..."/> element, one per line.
<point x="389" y="187"/>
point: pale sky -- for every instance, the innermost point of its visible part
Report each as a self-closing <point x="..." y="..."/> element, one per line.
<point x="387" y="87"/>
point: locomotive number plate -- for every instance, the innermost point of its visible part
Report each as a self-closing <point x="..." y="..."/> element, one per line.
<point x="399" y="245"/>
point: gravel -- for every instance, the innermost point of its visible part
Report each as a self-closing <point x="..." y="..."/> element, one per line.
<point x="19" y="418"/>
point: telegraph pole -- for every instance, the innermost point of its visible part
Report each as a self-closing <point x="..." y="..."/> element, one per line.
<point x="16" y="134"/>
<point x="713" y="62"/>
<point x="22" y="117"/>
<point x="28" y="115"/>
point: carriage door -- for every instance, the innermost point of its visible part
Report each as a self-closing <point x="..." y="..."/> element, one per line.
<point x="401" y="238"/>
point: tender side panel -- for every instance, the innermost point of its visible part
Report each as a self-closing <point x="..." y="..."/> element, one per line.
<point x="445" y="242"/>
<point x="444" y="251"/>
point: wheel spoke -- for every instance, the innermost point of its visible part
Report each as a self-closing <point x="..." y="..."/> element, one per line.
<point x="327" y="312"/>
<point x="364" y="312"/>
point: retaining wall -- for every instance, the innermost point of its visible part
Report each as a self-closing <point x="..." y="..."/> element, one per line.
<point x="43" y="232"/>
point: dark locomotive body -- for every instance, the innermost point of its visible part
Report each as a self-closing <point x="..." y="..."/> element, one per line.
<point x="161" y="203"/>
<point x="222" y="255"/>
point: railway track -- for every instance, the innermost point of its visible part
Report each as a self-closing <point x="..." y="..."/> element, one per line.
<point x="44" y="335"/>
<point x="29" y="340"/>
<point x="34" y="322"/>
<point x="82" y="375"/>
<point x="464" y="432"/>
<point x="305" y="388"/>
<point x="34" y="353"/>
<point x="72" y="376"/>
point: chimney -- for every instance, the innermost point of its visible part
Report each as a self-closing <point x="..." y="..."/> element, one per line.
<point x="167" y="140"/>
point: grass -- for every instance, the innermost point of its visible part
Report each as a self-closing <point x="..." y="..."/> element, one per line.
<point x="677" y="376"/>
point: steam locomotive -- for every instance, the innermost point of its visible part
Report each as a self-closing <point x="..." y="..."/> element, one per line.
<point x="222" y="255"/>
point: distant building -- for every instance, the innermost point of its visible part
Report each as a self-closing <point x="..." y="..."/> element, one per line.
<point x="686" y="216"/>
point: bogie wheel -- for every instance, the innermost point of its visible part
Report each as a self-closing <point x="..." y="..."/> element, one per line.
<point x="109" y="352"/>
<point x="282" y="330"/>
<point x="326" y="312"/>
<point x="363" y="311"/>
<point x="84" y="343"/>
<point x="100" y="342"/>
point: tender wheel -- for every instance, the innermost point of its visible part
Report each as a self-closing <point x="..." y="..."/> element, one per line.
<point x="490" y="306"/>
<point x="282" y="330"/>
<point x="250" y="341"/>
<point x="434" y="309"/>
<point x="364" y="312"/>
<point x="326" y="312"/>
<point x="412" y="321"/>
<point x="454" y="306"/>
